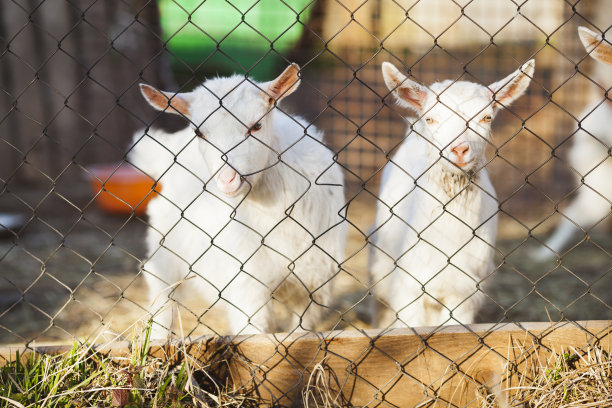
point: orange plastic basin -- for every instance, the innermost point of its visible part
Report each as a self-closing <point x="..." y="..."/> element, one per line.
<point x="125" y="189"/>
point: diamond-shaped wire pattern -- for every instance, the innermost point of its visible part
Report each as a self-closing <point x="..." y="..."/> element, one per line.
<point x="79" y="255"/>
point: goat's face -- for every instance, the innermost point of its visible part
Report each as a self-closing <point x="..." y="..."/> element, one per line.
<point x="456" y="120"/>
<point x="233" y="118"/>
<point x="455" y="117"/>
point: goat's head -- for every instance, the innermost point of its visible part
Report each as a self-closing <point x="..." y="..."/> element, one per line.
<point x="233" y="119"/>
<point x="595" y="45"/>
<point x="455" y="116"/>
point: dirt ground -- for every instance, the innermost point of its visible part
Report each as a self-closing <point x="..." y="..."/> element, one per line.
<point x="74" y="273"/>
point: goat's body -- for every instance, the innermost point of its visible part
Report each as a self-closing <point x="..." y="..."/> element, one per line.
<point x="240" y="252"/>
<point x="589" y="157"/>
<point x="434" y="236"/>
<point x="440" y="229"/>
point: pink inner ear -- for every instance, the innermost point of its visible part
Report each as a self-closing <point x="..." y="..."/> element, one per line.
<point x="180" y="105"/>
<point x="604" y="53"/>
<point x="592" y="42"/>
<point x="282" y="85"/>
<point x="277" y="88"/>
<point x="154" y="97"/>
<point x="505" y="93"/>
<point x="161" y="100"/>
<point x="413" y="95"/>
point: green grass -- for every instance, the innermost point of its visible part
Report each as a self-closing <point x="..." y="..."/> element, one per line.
<point x="83" y="377"/>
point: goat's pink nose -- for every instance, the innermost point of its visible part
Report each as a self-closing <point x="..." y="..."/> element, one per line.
<point x="460" y="150"/>
<point x="227" y="175"/>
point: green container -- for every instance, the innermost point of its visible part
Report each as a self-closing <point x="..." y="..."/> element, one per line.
<point x="225" y="36"/>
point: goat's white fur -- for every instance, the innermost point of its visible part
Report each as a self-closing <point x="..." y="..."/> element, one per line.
<point x="239" y="248"/>
<point x="590" y="162"/>
<point x="436" y="224"/>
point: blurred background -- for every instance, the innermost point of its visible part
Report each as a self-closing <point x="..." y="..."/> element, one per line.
<point x="72" y="221"/>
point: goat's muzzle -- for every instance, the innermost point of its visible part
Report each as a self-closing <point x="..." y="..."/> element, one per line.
<point x="229" y="181"/>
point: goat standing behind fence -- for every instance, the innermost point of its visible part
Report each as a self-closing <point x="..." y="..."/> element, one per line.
<point x="436" y="223"/>
<point x="251" y="202"/>
<point x="590" y="159"/>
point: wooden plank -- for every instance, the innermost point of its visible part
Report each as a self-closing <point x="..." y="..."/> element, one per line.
<point x="400" y="367"/>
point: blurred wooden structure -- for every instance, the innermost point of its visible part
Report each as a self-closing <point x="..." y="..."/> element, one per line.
<point x="68" y="75"/>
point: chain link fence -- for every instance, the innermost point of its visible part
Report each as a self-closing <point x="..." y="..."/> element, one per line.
<point x="77" y="246"/>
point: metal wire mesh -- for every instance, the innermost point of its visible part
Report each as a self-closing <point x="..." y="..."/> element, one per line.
<point x="70" y="72"/>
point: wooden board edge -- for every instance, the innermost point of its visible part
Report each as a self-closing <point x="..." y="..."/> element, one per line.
<point x="121" y="348"/>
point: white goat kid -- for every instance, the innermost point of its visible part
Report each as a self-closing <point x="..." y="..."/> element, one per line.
<point x="436" y="222"/>
<point x="589" y="158"/>
<point x="250" y="204"/>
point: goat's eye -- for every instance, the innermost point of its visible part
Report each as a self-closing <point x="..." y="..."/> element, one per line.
<point x="430" y="121"/>
<point x="255" y="127"/>
<point x="486" y="118"/>
<point x="198" y="133"/>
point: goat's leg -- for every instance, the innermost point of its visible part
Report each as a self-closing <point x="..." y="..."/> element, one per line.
<point x="405" y="301"/>
<point x="381" y="276"/>
<point x="319" y="301"/>
<point x="461" y="310"/>
<point x="411" y="313"/>
<point x="380" y="315"/>
<point x="249" y="307"/>
<point x="162" y="306"/>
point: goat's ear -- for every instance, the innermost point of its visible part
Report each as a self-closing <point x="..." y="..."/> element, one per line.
<point x="178" y="104"/>
<point x="284" y="85"/>
<point x="504" y="92"/>
<point x="595" y="45"/>
<point x="408" y="93"/>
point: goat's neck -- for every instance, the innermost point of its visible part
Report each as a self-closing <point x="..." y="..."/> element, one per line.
<point x="444" y="183"/>
<point x="449" y="184"/>
<point x="269" y="189"/>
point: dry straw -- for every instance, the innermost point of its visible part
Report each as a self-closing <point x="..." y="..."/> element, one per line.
<point x="574" y="378"/>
